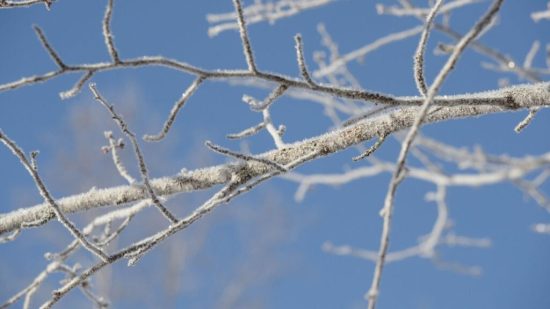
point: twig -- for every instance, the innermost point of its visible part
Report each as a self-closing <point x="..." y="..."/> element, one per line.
<point x="7" y="4"/>
<point x="107" y="34"/>
<point x="49" y="199"/>
<point x="397" y="176"/>
<point x="531" y="55"/>
<point x="142" y="167"/>
<point x="265" y="177"/>
<point x="527" y="120"/>
<point x="363" y="51"/>
<point x="247" y="49"/>
<point x="247" y="132"/>
<point x="537" y="16"/>
<point x="274" y="95"/>
<point x="276" y="134"/>
<point x="10" y="237"/>
<point x="77" y="87"/>
<point x="372" y="149"/>
<point x="116" y="158"/>
<point x="302" y="62"/>
<point x="262" y="11"/>
<point x="527" y="65"/>
<point x="348" y="93"/>
<point x="135" y="251"/>
<point x="244" y="157"/>
<point x="174" y="112"/>
<point x="408" y="11"/>
<point x="421" y="50"/>
<point x="53" y="54"/>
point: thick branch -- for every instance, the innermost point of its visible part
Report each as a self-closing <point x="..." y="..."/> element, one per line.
<point x="521" y="97"/>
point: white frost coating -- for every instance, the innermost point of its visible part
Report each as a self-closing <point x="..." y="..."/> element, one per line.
<point x="519" y="97"/>
<point x="530" y="95"/>
<point x="261" y="11"/>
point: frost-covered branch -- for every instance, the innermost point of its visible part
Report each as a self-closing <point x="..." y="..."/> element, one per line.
<point x="261" y="11"/>
<point x="540" y="15"/>
<point x="8" y="4"/>
<point x="516" y="97"/>
<point x="53" y="206"/>
<point x="137" y="150"/>
<point x="399" y="172"/>
<point x="355" y="118"/>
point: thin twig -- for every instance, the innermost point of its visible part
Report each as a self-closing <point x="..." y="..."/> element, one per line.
<point x="275" y="133"/>
<point x="142" y="166"/>
<point x="265" y="177"/>
<point x="53" y="54"/>
<point x="261" y="11"/>
<point x="398" y="174"/>
<point x="107" y="34"/>
<point x="49" y="199"/>
<point x="367" y="115"/>
<point x="10" y="237"/>
<point x="421" y="50"/>
<point x="302" y="62"/>
<point x="247" y="132"/>
<point x="244" y="157"/>
<point x="274" y="95"/>
<point x="247" y="49"/>
<point x="372" y="149"/>
<point x="7" y="4"/>
<point x="363" y="51"/>
<point x="77" y="86"/>
<point x="135" y="251"/>
<point x="174" y="112"/>
<point x="527" y="120"/>
<point x="531" y="55"/>
<point x="113" y="148"/>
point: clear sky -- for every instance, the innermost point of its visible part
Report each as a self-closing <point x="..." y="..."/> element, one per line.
<point x="263" y="250"/>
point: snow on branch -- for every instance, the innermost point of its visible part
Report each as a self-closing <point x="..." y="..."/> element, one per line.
<point x="261" y="11"/>
<point x="8" y="4"/>
<point x="518" y="97"/>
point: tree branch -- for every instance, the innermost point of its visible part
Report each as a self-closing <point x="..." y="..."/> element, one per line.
<point x="519" y="97"/>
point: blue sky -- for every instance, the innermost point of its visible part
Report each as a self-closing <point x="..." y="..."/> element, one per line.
<point x="264" y="247"/>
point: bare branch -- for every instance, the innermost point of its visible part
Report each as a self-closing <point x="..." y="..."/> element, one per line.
<point x="275" y="133"/>
<point x="540" y="15"/>
<point x="274" y="95"/>
<point x="12" y="146"/>
<point x="397" y="176"/>
<point x="242" y="156"/>
<point x="341" y="95"/>
<point x="77" y="87"/>
<point x="421" y="50"/>
<point x="363" y="51"/>
<point x="7" y="4"/>
<point x="135" y="251"/>
<point x="247" y="132"/>
<point x="410" y="11"/>
<point x="527" y="120"/>
<point x="372" y="149"/>
<point x="247" y="49"/>
<point x="53" y="54"/>
<point x="142" y="167"/>
<point x="107" y="34"/>
<point x="174" y="112"/>
<point x="259" y="12"/>
<point x="302" y="62"/>
<point x="518" y="97"/>
<point x="113" y="148"/>
<point x="531" y="55"/>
